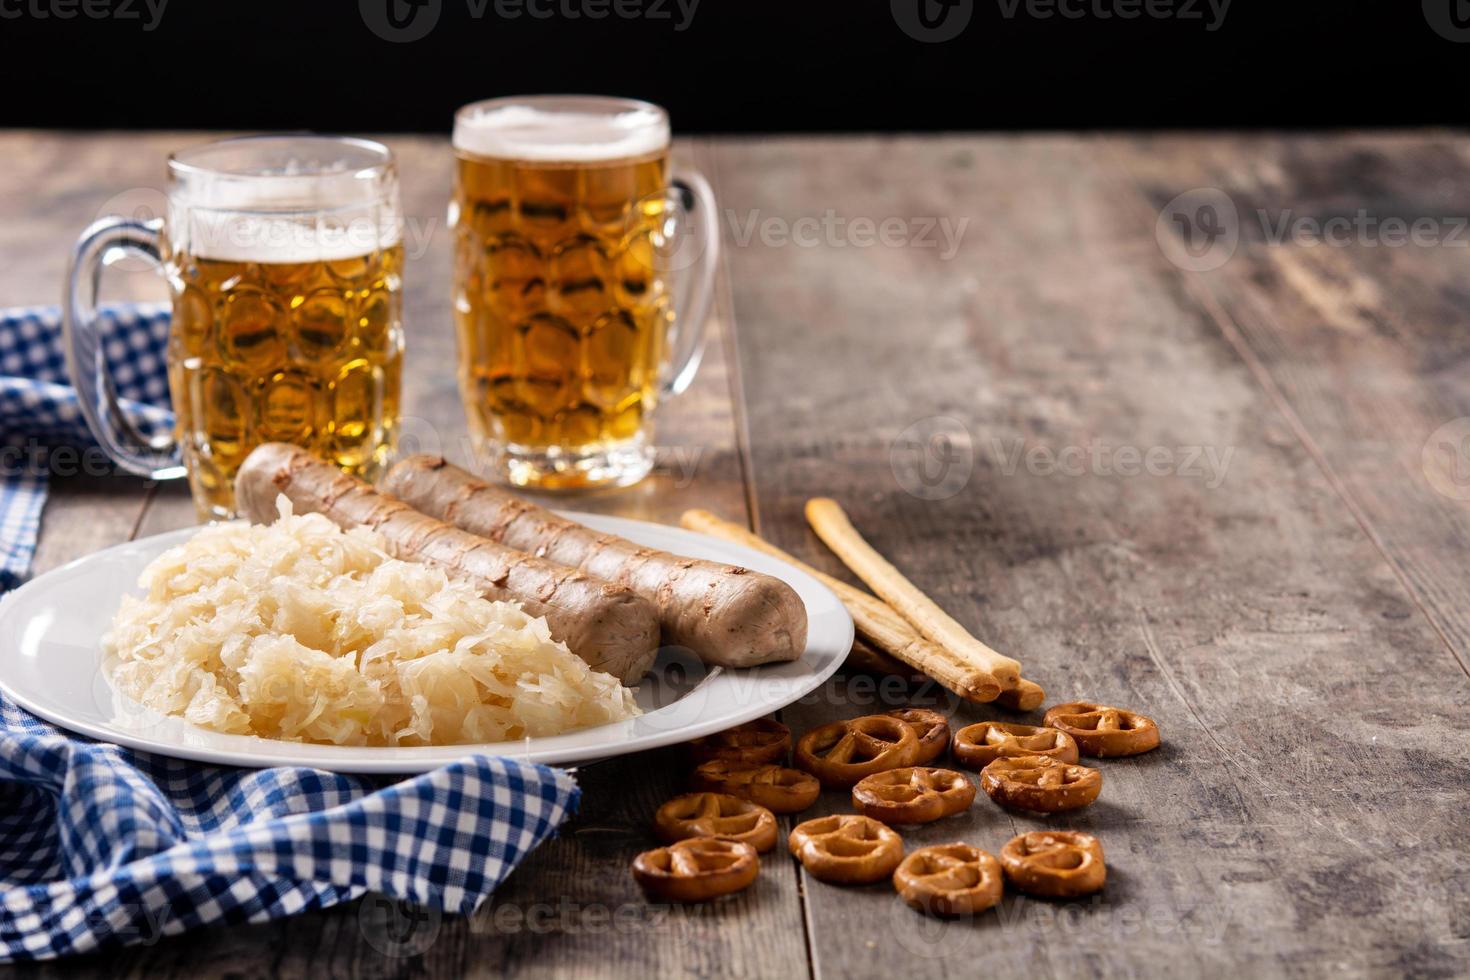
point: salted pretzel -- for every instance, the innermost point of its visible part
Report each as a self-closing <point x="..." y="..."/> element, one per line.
<point x="977" y="746"/>
<point x="715" y="815"/>
<point x="846" y="849"/>
<point x="913" y="795"/>
<point x="1103" y="731"/>
<point x="932" y="729"/>
<point x="776" y="788"/>
<point x="1034" y="782"/>
<point x="843" y="752"/>
<point x="1054" y="863"/>
<point x="754" y="743"/>
<point x="949" y="880"/>
<point x="697" y="869"/>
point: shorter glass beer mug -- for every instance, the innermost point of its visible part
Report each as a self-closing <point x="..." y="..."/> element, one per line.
<point x="584" y="272"/>
<point x="284" y="258"/>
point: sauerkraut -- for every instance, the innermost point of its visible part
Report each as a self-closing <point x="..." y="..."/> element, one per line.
<point x="301" y="631"/>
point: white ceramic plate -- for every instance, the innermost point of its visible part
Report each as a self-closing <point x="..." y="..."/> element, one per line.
<point x="50" y="654"/>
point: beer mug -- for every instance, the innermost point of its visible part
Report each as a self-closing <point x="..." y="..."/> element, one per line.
<point x="584" y="272"/>
<point x="283" y="257"/>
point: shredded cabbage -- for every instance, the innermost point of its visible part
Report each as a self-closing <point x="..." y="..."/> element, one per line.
<point x="301" y="631"/>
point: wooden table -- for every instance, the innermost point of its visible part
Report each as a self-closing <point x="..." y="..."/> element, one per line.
<point x="1231" y="494"/>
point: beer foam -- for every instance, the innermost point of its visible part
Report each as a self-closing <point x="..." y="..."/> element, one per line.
<point x="283" y="199"/>
<point x="512" y="131"/>
<point x="271" y="238"/>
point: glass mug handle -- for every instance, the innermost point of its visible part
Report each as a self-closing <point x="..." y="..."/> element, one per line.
<point x="157" y="458"/>
<point x="694" y="287"/>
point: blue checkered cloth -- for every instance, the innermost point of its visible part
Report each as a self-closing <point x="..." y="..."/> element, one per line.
<point x="101" y="846"/>
<point x="39" y="410"/>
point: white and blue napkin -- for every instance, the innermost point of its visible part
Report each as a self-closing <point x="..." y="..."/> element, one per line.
<point x="39" y="410"/>
<point x="101" y="846"/>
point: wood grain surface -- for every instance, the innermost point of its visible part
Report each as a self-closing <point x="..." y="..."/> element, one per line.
<point x="1229" y="494"/>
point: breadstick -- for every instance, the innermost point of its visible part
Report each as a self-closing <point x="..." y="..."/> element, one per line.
<point x="865" y="658"/>
<point x="880" y="625"/>
<point x="831" y="524"/>
<point x="1025" y="696"/>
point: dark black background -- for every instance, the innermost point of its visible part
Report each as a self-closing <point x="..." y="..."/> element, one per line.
<point x="740" y="65"/>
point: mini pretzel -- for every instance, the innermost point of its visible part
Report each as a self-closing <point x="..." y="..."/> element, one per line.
<point x="1102" y="731"/>
<point x="1055" y="863"/>
<point x="846" y="849"/>
<point x="932" y="729"/>
<point x="1034" y="782"/>
<point x="753" y="743"/>
<point x="977" y="746"/>
<point x="949" y="880"/>
<point x="912" y="795"/>
<point x="843" y="752"/>
<point x="697" y="869"/>
<point x="715" y="815"/>
<point x="777" y="789"/>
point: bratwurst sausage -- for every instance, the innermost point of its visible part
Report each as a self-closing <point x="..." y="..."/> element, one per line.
<point x="607" y="625"/>
<point x="726" y="614"/>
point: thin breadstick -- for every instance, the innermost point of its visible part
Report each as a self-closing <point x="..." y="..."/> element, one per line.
<point x="878" y="624"/>
<point x="865" y="658"/>
<point x="1025" y="696"/>
<point x="830" y="522"/>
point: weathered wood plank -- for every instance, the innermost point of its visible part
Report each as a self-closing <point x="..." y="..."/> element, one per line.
<point x="1304" y="815"/>
<point x="1309" y="707"/>
<point x="1346" y="295"/>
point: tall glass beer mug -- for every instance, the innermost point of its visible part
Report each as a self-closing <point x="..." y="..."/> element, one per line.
<point x="583" y="276"/>
<point x="283" y="258"/>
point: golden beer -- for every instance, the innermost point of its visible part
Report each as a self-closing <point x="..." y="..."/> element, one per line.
<point x="563" y="302"/>
<point x="284" y="259"/>
<point x="306" y="352"/>
<point x="560" y="315"/>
